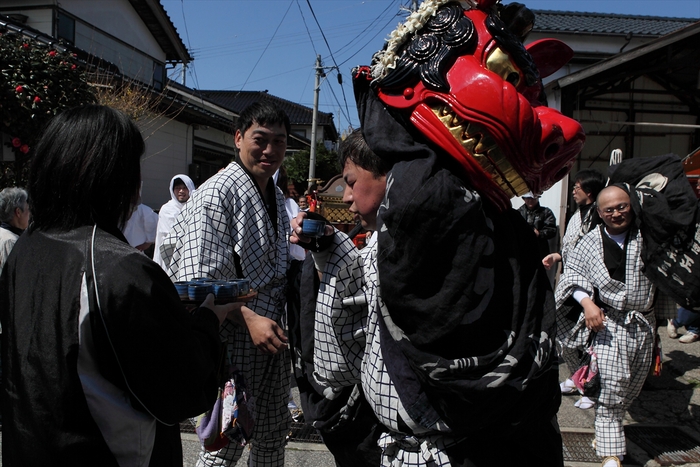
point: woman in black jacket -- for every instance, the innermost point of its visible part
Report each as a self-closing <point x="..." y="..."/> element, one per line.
<point x="102" y="361"/>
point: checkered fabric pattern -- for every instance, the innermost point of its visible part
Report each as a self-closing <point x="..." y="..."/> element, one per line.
<point x="624" y="350"/>
<point x="572" y="235"/>
<point x="429" y="450"/>
<point x="625" y="347"/>
<point x="586" y="269"/>
<point x="348" y="350"/>
<point x="341" y="316"/>
<point x="227" y="214"/>
<point x="269" y="376"/>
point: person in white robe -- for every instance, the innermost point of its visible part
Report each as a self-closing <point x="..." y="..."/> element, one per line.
<point x="169" y="211"/>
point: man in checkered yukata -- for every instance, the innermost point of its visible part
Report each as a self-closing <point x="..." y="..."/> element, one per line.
<point x="236" y="225"/>
<point x="447" y="320"/>
<point x="604" y="273"/>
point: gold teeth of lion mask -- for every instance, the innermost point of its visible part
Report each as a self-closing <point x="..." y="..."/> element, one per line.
<point x="459" y="73"/>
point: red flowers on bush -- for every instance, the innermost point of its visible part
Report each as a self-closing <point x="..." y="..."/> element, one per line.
<point x="24" y="149"/>
<point x="52" y="53"/>
<point x="37" y="99"/>
<point x="19" y="89"/>
<point x="16" y="142"/>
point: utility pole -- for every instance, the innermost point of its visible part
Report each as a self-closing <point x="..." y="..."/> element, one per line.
<point x="312" y="152"/>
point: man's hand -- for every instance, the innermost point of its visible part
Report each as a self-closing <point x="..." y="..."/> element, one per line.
<point x="595" y="317"/>
<point x="297" y="237"/>
<point x="537" y="233"/>
<point x="550" y="260"/>
<point x="266" y="335"/>
<point x="222" y="312"/>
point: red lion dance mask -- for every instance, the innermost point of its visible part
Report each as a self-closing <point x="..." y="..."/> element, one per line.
<point x="459" y="73"/>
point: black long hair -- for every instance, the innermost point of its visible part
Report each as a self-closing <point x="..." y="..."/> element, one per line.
<point x="86" y="170"/>
<point x="591" y="182"/>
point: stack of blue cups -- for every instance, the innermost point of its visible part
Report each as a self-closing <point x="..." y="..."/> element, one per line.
<point x="223" y="290"/>
<point x="243" y="286"/>
<point x="198" y="291"/>
<point x="182" y="288"/>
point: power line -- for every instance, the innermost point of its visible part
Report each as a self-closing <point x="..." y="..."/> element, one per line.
<point x="305" y="67"/>
<point x="307" y="28"/>
<point x="346" y="114"/>
<point x="313" y="13"/>
<point x="251" y="45"/>
<point x="366" y="43"/>
<point x="268" y="44"/>
<point x="184" y="22"/>
<point x="370" y="25"/>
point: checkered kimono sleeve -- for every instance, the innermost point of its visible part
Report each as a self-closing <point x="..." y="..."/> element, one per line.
<point x="571" y="236"/>
<point x="586" y="268"/>
<point x="341" y="315"/>
<point x="227" y="215"/>
<point x="205" y="244"/>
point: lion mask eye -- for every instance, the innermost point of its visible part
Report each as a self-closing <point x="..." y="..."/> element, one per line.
<point x="500" y="63"/>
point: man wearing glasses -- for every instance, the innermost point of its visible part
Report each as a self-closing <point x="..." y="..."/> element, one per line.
<point x="604" y="275"/>
<point x="587" y="185"/>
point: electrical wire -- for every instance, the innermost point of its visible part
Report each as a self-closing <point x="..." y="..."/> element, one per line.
<point x="307" y="28"/>
<point x="306" y="84"/>
<point x="268" y="44"/>
<point x="187" y="34"/>
<point x="359" y="49"/>
<point x="305" y="67"/>
<point x="313" y="13"/>
<point x="368" y="27"/>
<point x="253" y="45"/>
<point x="346" y="114"/>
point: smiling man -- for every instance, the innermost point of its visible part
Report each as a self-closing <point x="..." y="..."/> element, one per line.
<point x="236" y="225"/>
<point x="604" y="273"/>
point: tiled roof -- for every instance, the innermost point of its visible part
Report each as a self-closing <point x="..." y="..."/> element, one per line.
<point x="236" y="101"/>
<point x="604" y="23"/>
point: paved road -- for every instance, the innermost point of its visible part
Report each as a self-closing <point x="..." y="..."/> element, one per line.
<point x="671" y="400"/>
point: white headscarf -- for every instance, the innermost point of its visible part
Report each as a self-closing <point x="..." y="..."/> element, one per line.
<point x="168" y="213"/>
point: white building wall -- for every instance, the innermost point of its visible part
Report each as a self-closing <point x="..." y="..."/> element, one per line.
<point x="39" y="19"/>
<point x="169" y="147"/>
<point x="118" y="18"/>
<point x="98" y="25"/>
<point x="168" y="152"/>
<point x="130" y="62"/>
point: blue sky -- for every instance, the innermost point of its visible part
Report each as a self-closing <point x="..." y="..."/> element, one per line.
<point x="272" y="44"/>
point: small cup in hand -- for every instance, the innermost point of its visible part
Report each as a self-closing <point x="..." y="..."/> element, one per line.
<point x="313" y="228"/>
